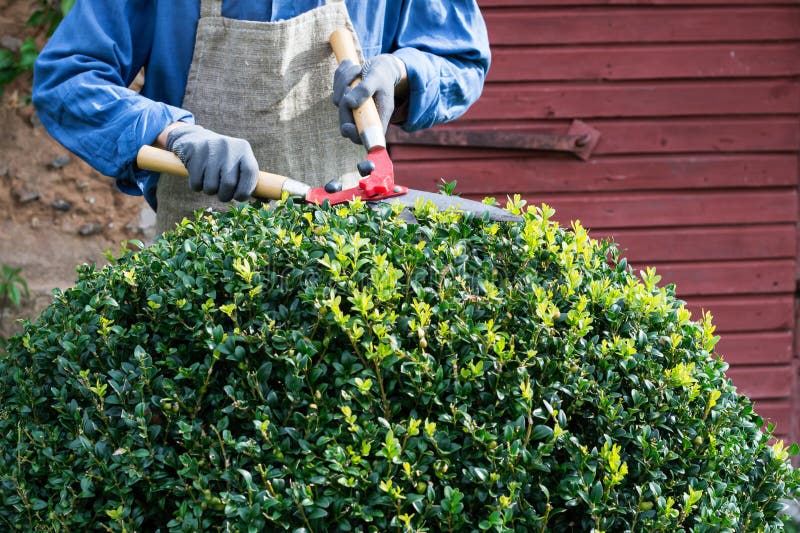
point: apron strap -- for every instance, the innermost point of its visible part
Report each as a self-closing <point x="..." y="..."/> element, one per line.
<point x="210" y="8"/>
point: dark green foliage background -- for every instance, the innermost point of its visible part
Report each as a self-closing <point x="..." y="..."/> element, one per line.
<point x="336" y="368"/>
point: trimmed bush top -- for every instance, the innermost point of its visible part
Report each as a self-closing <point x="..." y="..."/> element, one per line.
<point x="309" y="368"/>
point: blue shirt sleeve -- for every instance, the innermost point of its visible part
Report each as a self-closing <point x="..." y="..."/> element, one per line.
<point x="80" y="88"/>
<point x="445" y="47"/>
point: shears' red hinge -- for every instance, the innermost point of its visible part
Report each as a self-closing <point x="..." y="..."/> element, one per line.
<point x="378" y="185"/>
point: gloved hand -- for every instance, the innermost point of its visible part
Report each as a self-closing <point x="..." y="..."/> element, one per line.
<point x="217" y="164"/>
<point x="379" y="77"/>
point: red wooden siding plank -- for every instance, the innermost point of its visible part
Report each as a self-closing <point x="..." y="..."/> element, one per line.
<point x="740" y="313"/>
<point x="638" y="62"/>
<point x="706" y="244"/>
<point x="641" y="25"/>
<point x="635" y="99"/>
<point x="539" y="174"/>
<point x="640" y="136"/>
<point x="728" y="278"/>
<point x="762" y="382"/>
<point x="699" y="135"/>
<point x="702" y="208"/>
<point x="768" y="348"/>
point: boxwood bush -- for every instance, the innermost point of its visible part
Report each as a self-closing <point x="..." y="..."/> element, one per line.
<point x="338" y="368"/>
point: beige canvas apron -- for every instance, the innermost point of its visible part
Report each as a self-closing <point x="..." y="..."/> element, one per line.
<point x="271" y="84"/>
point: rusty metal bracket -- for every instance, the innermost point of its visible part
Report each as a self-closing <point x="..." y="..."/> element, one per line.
<point x="579" y="140"/>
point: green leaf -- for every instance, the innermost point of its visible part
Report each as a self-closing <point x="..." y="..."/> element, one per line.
<point x="38" y="505"/>
<point x="28" y="54"/>
<point x="596" y="494"/>
<point x="66" y="6"/>
<point x="541" y="432"/>
<point x="316" y="513"/>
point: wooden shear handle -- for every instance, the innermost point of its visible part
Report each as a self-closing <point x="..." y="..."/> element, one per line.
<point x="269" y="186"/>
<point x="368" y="121"/>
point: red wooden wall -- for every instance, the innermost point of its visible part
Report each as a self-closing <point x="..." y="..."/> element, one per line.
<point x="696" y="171"/>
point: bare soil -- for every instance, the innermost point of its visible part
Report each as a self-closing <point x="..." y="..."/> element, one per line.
<point x="56" y="212"/>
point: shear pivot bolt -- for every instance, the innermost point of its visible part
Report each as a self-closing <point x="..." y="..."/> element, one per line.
<point x="365" y="167"/>
<point x="333" y="186"/>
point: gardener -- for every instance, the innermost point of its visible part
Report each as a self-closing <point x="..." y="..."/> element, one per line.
<point x="234" y="85"/>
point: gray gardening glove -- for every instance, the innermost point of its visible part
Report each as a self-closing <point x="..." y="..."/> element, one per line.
<point x="217" y="164"/>
<point x="379" y="77"/>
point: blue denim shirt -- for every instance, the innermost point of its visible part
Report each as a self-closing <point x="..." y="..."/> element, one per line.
<point x="81" y="76"/>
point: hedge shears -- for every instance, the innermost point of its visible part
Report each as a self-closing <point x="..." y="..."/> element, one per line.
<point x="377" y="184"/>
